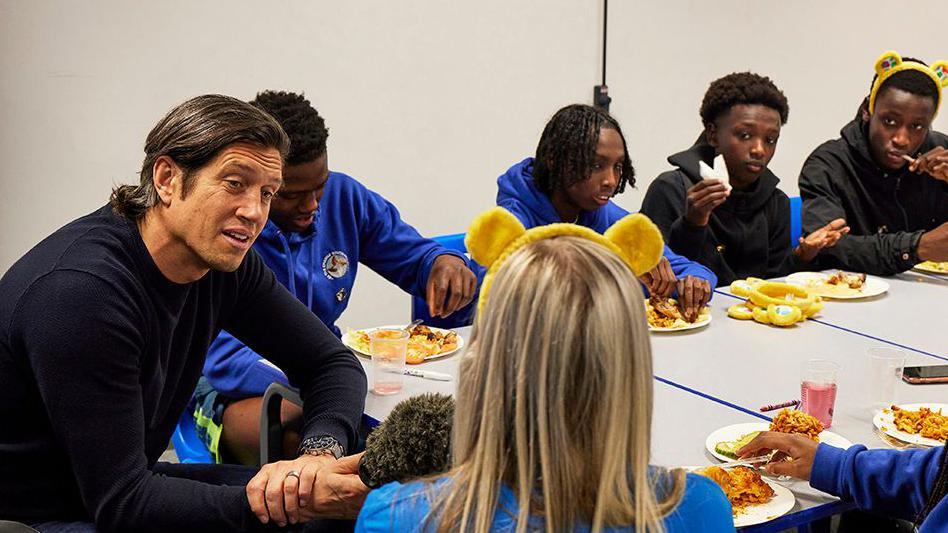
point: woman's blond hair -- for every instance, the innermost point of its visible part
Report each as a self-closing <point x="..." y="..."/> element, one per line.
<point x="555" y="399"/>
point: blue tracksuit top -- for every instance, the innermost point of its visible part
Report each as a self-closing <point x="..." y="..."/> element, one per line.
<point x="352" y="225"/>
<point x="895" y="483"/>
<point x="398" y="507"/>
<point x="517" y="193"/>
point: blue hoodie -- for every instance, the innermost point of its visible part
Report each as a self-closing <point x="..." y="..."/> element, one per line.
<point x="889" y="482"/>
<point x="517" y="193"/>
<point x="352" y="225"/>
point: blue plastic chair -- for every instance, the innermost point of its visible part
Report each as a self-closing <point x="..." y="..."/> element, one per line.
<point x="796" y="220"/>
<point x="187" y="445"/>
<point x="419" y="308"/>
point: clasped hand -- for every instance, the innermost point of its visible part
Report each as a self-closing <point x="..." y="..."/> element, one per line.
<point x="305" y="488"/>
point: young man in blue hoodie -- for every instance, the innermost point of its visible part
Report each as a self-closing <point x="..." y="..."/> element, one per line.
<point x="909" y="484"/>
<point x="315" y="254"/>
<point x="582" y="162"/>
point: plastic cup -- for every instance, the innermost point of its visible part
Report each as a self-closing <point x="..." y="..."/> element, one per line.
<point x="818" y="389"/>
<point x="885" y="373"/>
<point x="389" y="348"/>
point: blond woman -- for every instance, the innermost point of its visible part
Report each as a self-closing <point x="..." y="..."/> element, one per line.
<point x="554" y="406"/>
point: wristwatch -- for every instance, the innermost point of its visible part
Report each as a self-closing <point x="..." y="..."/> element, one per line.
<point x="325" y="445"/>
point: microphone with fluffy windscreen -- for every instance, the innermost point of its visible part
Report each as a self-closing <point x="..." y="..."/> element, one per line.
<point x="414" y="441"/>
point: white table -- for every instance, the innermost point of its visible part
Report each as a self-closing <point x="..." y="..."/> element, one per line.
<point x="720" y="375"/>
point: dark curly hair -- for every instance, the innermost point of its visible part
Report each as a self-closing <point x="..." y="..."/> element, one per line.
<point x="307" y="130"/>
<point x="910" y="81"/>
<point x="742" y="88"/>
<point x="567" y="149"/>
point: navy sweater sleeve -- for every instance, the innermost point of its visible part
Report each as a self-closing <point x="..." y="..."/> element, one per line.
<point x="890" y="482"/>
<point x="274" y="324"/>
<point x="85" y="353"/>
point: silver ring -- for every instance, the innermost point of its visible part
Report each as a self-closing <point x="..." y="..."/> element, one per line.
<point x="293" y="473"/>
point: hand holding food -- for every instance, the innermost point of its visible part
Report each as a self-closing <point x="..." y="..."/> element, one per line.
<point x="701" y="200"/>
<point x="933" y="162"/>
<point x="795" y="453"/>
<point x="661" y="280"/>
<point x="667" y="314"/>
<point x="693" y="294"/>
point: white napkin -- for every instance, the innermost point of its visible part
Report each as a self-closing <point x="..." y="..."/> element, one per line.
<point x="716" y="172"/>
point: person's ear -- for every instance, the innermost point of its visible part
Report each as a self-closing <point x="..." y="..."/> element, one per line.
<point x="167" y="178"/>
<point x="709" y="131"/>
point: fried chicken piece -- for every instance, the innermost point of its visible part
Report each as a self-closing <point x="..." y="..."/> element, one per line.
<point x="665" y="307"/>
<point x="851" y="280"/>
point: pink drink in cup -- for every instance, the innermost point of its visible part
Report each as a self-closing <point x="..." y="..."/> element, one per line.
<point x="818" y="390"/>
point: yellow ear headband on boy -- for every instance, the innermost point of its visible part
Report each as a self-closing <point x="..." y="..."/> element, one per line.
<point x="496" y="234"/>
<point x="891" y="63"/>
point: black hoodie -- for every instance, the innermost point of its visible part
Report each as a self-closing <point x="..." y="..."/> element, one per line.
<point x="748" y="235"/>
<point x="887" y="211"/>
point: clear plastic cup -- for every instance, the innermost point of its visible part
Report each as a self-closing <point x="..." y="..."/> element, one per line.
<point x="818" y="389"/>
<point x="885" y="373"/>
<point x="389" y="348"/>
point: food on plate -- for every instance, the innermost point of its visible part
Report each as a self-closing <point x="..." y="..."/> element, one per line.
<point x="423" y="343"/>
<point x="741" y="311"/>
<point x="776" y="293"/>
<point x="839" y="284"/>
<point x="847" y="279"/>
<point x="795" y="421"/>
<point x="729" y="448"/>
<point x="933" y="266"/>
<point x="743" y="287"/>
<point x="925" y="422"/>
<point x="743" y="486"/>
<point x="665" y="313"/>
<point x="778" y="304"/>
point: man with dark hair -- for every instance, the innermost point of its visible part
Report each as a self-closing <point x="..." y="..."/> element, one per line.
<point x="887" y="175"/>
<point x="739" y="228"/>
<point x="322" y="225"/>
<point x="103" y="330"/>
<point x="582" y="162"/>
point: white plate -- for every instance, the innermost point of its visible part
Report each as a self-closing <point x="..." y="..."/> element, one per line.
<point x="736" y="431"/>
<point x="812" y="281"/>
<point x="779" y="505"/>
<point x="885" y="422"/>
<point x="932" y="267"/>
<point x="348" y="342"/>
<point x="703" y="320"/>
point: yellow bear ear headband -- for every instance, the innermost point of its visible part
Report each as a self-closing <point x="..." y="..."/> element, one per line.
<point x="496" y="234"/>
<point x="891" y="63"/>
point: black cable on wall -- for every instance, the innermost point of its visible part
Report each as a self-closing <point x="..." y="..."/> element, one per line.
<point x="601" y="98"/>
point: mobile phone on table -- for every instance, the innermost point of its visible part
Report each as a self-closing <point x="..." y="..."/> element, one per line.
<point x="917" y="375"/>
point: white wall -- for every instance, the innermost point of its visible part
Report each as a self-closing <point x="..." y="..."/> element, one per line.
<point x="427" y="102"/>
